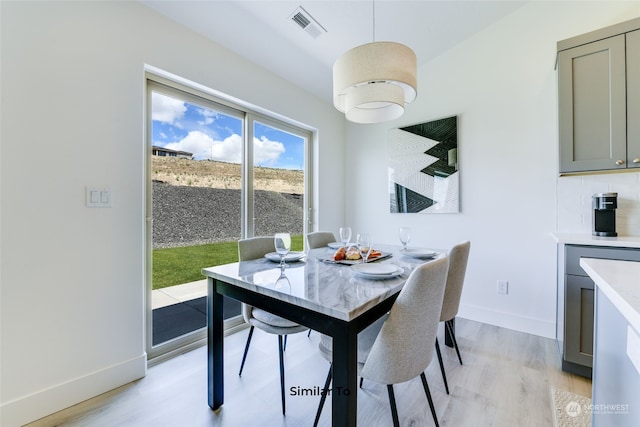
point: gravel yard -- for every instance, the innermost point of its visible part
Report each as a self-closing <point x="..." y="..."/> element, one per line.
<point x="185" y="216"/>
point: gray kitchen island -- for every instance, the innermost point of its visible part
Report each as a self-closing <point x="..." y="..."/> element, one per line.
<point x="616" y="364"/>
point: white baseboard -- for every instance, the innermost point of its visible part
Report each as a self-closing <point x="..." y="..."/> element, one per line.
<point x="517" y="322"/>
<point x="45" y="402"/>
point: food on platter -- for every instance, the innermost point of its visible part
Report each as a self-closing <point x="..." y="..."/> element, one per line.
<point x="340" y="254"/>
<point x="352" y="254"/>
<point x="374" y="254"/>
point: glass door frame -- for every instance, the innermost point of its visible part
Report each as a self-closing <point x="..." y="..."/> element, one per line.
<point x="248" y="168"/>
<point x="197" y="95"/>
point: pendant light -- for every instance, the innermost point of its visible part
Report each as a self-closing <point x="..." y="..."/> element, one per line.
<point x="373" y="82"/>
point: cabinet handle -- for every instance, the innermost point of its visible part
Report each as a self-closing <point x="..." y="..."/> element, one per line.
<point x="636" y="160"/>
<point x="619" y="162"/>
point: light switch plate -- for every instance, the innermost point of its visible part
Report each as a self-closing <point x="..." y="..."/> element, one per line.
<point x="503" y="287"/>
<point x="98" y="197"/>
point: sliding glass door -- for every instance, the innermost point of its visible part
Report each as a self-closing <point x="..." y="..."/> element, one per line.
<point x="216" y="173"/>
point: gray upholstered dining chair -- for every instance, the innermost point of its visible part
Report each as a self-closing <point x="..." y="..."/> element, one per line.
<point x="254" y="248"/>
<point x="458" y="257"/>
<point x="399" y="346"/>
<point x="319" y="239"/>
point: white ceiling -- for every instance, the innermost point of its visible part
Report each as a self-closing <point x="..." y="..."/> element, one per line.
<point x="263" y="32"/>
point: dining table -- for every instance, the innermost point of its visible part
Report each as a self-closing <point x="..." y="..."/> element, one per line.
<point x="338" y="299"/>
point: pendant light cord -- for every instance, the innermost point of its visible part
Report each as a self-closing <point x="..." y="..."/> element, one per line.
<point x="373" y="12"/>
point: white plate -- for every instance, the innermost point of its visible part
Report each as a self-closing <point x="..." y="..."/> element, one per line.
<point x="291" y="256"/>
<point x="383" y="269"/>
<point x="338" y="245"/>
<point x="377" y="271"/>
<point x="419" y="253"/>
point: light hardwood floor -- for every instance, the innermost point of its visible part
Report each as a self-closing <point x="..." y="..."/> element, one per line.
<point x="505" y="381"/>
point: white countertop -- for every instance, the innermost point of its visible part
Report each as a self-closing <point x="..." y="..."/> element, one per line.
<point x="588" y="239"/>
<point x="620" y="282"/>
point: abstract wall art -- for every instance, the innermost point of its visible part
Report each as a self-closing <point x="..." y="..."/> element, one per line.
<point x="423" y="168"/>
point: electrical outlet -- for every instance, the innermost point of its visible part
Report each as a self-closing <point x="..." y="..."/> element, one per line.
<point x="503" y="287"/>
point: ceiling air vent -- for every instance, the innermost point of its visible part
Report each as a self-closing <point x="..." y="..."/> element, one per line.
<point x="305" y="21"/>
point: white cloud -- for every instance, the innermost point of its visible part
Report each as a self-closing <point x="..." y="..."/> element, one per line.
<point x="204" y="147"/>
<point x="166" y="109"/>
<point x="208" y="116"/>
<point x="229" y="150"/>
<point x="266" y="152"/>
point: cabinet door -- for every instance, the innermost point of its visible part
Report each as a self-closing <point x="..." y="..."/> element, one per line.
<point x="633" y="99"/>
<point x="592" y="106"/>
<point x="578" y="326"/>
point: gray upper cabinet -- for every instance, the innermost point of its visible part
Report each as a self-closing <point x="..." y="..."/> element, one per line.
<point x="599" y="100"/>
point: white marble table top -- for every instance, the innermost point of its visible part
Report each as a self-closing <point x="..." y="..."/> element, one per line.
<point x="620" y="282"/>
<point x="332" y="289"/>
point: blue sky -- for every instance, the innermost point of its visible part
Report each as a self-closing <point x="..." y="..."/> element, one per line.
<point x="207" y="134"/>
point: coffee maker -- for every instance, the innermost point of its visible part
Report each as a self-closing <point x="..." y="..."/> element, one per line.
<point x="604" y="214"/>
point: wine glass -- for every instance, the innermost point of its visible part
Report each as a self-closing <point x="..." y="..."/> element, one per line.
<point x="345" y="235"/>
<point x="282" y="243"/>
<point x="364" y="245"/>
<point x="405" y="237"/>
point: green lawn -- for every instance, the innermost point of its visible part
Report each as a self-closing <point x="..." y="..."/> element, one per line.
<point x="175" y="266"/>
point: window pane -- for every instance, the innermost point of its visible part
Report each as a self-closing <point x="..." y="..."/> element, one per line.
<point x="278" y="182"/>
<point x="196" y="207"/>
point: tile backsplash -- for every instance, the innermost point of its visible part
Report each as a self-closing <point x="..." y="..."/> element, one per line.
<point x="574" y="201"/>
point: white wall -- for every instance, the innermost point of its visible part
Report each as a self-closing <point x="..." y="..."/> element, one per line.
<point x="72" y="278"/>
<point x="501" y="84"/>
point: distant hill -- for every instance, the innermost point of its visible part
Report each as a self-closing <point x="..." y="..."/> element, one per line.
<point x="214" y="174"/>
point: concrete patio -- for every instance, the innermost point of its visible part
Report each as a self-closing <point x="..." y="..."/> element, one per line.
<point x="179" y="293"/>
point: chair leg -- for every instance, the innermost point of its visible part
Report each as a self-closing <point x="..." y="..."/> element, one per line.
<point x="361" y="380"/>
<point x="280" y="352"/>
<point x="453" y="338"/>
<point x="246" y="350"/>
<point x="428" y="393"/>
<point x="285" y="343"/>
<point x="394" y="409"/>
<point x="323" y="397"/>
<point x="444" y="375"/>
<point x="309" y="333"/>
